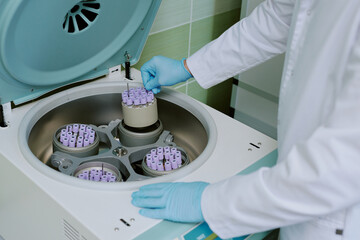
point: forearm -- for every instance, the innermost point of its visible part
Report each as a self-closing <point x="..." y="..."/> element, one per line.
<point x="253" y="40"/>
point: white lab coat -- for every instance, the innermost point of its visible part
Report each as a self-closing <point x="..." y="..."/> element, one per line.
<point x="314" y="190"/>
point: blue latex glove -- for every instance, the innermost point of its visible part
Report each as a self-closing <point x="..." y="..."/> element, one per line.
<point x="178" y="202"/>
<point x="163" y="71"/>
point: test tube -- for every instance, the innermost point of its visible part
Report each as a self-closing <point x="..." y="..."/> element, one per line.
<point x="148" y="161"/>
<point x="91" y="138"/>
<point x="160" y="166"/>
<point x="76" y="128"/>
<point x="79" y="143"/>
<point x="167" y="166"/>
<point x="86" y="142"/>
<point x="178" y="159"/>
<point x="167" y="155"/>
<point x="153" y="165"/>
<point x="62" y="136"/>
<point x="153" y="152"/>
<point x="97" y="177"/>
<point x="88" y="129"/>
<point x="65" y="141"/>
<point x="137" y="102"/>
<point x="156" y="158"/>
<point x="173" y="150"/>
<point x="72" y="143"/>
<point x="148" y="99"/>
<point x="174" y="164"/>
<point x="129" y="102"/>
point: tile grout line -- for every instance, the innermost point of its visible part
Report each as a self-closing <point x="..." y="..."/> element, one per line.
<point x="189" y="22"/>
<point x="169" y="28"/>
<point x="189" y="46"/>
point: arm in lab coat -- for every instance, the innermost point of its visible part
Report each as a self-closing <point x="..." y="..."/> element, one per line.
<point x="318" y="177"/>
<point x="253" y="40"/>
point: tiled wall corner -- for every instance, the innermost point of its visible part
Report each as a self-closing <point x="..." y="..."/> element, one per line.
<point x="182" y="27"/>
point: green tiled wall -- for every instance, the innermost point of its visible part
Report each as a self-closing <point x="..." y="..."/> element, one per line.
<point x="182" y="27"/>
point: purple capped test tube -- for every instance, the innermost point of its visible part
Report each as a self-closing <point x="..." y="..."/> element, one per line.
<point x="69" y="134"/>
<point x="72" y="143"/>
<point x="156" y="158"/>
<point x="75" y="128"/>
<point x="167" y="166"/>
<point x="97" y="177"/>
<point x="88" y="129"/>
<point x="81" y="131"/>
<point x="161" y="156"/>
<point x="143" y="100"/>
<point x="148" y="161"/>
<point x="86" y="142"/>
<point x="69" y="128"/>
<point x="81" y="176"/>
<point x="65" y="141"/>
<point x="160" y="166"/>
<point x="151" y="94"/>
<point x="86" y="176"/>
<point x="91" y="139"/>
<point x="104" y="178"/>
<point x="79" y="143"/>
<point x="167" y="149"/>
<point x="153" y="165"/>
<point x="109" y="175"/>
<point x="174" y="164"/>
<point x="62" y="136"/>
<point x="167" y="155"/>
<point x="173" y="150"/>
<point x="137" y="102"/>
<point x="112" y="179"/>
<point x="178" y="159"/>
<point x="148" y="99"/>
<point x="153" y="152"/>
<point x="129" y="102"/>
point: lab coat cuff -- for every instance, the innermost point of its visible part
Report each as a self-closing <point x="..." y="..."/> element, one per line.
<point x="197" y="69"/>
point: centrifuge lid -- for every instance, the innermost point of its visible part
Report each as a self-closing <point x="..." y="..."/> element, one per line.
<point x="48" y="44"/>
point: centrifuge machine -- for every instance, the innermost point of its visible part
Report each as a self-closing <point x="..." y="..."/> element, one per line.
<point x="79" y="133"/>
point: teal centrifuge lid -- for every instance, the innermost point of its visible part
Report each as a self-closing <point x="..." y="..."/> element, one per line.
<point x="48" y="44"/>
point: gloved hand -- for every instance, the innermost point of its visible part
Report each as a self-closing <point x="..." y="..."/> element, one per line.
<point x="163" y="71"/>
<point x="178" y="202"/>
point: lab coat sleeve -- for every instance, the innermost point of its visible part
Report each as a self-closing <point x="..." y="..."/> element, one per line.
<point x="319" y="176"/>
<point x="253" y="40"/>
